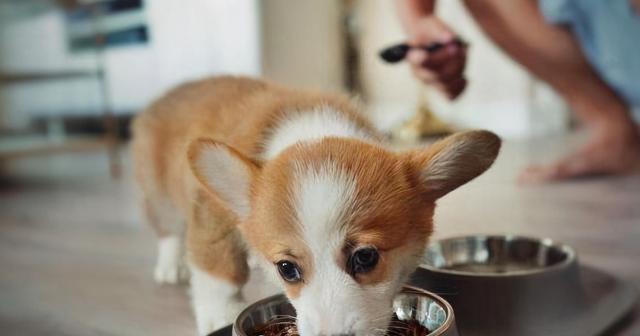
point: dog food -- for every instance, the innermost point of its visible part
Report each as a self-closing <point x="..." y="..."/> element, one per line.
<point x="407" y="328"/>
<point x="279" y="326"/>
<point x="287" y="327"/>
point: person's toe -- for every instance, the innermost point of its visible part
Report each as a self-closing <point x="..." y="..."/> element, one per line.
<point x="536" y="174"/>
<point x="586" y="163"/>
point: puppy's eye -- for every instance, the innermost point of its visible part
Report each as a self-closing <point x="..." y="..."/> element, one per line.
<point x="363" y="260"/>
<point x="289" y="271"/>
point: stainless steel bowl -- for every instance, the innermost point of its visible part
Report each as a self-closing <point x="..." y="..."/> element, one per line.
<point x="411" y="304"/>
<point x="504" y="285"/>
<point x="430" y="310"/>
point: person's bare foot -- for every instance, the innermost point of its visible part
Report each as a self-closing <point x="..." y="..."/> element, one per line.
<point x="609" y="151"/>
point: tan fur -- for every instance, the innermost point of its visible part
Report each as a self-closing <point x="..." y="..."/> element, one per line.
<point x="390" y="217"/>
<point x="396" y="209"/>
<point x="236" y="111"/>
<point x="395" y="194"/>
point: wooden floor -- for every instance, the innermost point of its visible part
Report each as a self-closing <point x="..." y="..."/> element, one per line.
<point x="76" y="260"/>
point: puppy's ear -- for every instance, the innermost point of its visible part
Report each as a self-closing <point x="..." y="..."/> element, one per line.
<point x="453" y="161"/>
<point x="225" y="172"/>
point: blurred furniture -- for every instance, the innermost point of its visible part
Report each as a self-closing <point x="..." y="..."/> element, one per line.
<point x="21" y="144"/>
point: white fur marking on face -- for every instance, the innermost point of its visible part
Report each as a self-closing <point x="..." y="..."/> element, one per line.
<point x="322" y="203"/>
<point x="323" y="121"/>
<point x="228" y="176"/>
<point x="216" y="303"/>
<point x="325" y="195"/>
<point x="331" y="301"/>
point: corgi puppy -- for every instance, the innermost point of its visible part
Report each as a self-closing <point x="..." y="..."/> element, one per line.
<point x="302" y="179"/>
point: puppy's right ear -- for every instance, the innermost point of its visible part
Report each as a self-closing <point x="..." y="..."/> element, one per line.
<point x="225" y="172"/>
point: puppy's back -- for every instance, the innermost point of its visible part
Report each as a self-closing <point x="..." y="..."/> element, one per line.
<point x="201" y="101"/>
<point x="161" y="133"/>
<point x="235" y="110"/>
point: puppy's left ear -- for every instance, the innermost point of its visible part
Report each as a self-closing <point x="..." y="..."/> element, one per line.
<point x="453" y="161"/>
<point x="225" y="172"/>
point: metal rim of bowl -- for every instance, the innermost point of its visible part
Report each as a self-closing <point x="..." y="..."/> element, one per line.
<point x="447" y="307"/>
<point x="405" y="289"/>
<point x="236" y="323"/>
<point x="548" y="242"/>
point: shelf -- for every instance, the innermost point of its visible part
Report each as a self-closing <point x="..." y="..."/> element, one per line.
<point x="17" y="146"/>
<point x="7" y="78"/>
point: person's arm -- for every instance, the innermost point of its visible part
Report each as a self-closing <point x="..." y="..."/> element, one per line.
<point x="411" y="11"/>
<point x="443" y="69"/>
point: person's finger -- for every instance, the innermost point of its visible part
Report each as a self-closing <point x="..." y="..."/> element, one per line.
<point x="417" y="56"/>
<point x="452" y="88"/>
<point x="455" y="88"/>
<point x="451" y="70"/>
<point x="435" y="60"/>
<point x="425" y="75"/>
<point x="432" y="30"/>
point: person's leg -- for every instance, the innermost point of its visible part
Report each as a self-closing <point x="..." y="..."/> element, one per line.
<point x="553" y="54"/>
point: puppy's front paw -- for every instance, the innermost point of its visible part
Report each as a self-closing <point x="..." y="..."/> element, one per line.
<point x="170" y="272"/>
<point x="234" y="308"/>
<point x="209" y="324"/>
<point x="170" y="267"/>
<point x="210" y="318"/>
<point x="216" y="302"/>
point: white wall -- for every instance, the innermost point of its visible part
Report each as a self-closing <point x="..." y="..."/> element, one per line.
<point x="188" y="39"/>
<point x="391" y="92"/>
<point x="303" y="43"/>
<point x="33" y="45"/>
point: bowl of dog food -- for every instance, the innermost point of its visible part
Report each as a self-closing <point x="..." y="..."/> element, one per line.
<point x="512" y="285"/>
<point x="416" y="312"/>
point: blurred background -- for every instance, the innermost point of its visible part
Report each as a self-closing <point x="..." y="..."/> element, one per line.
<point x="68" y="68"/>
<point x="75" y="255"/>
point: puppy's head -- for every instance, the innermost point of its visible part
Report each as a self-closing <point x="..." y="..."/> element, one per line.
<point x="341" y="222"/>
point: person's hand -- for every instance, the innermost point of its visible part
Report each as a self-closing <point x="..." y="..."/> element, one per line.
<point x="444" y="69"/>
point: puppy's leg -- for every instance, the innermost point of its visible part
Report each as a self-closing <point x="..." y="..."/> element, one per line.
<point x="170" y="266"/>
<point x="218" y="263"/>
<point x="216" y="300"/>
<point x="158" y="209"/>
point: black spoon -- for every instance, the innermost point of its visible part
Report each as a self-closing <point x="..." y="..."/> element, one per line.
<point x="398" y="52"/>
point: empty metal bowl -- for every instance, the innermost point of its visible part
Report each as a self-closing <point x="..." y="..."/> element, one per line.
<point x="504" y="285"/>
<point x="412" y="303"/>
<point x="497" y="256"/>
